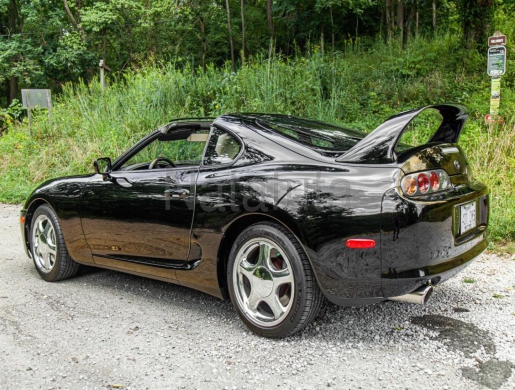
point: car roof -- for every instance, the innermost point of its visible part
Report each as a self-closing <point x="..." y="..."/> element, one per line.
<point x="325" y="138"/>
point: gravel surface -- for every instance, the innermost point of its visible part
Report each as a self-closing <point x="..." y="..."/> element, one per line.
<point x="105" y="329"/>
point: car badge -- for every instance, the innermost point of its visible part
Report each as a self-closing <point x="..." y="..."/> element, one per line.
<point x="457" y="165"/>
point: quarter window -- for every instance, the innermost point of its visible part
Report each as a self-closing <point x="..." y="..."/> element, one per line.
<point x="222" y="148"/>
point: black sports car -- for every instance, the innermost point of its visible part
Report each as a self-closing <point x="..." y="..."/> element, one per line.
<point x="276" y="212"/>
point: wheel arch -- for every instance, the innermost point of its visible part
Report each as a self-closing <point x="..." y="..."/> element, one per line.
<point x="31" y="209"/>
<point x="233" y="230"/>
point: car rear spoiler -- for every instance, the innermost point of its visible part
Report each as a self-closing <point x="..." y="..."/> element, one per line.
<point x="378" y="147"/>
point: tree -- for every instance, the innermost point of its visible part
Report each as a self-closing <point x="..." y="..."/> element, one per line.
<point x="243" y="48"/>
<point x="476" y="17"/>
<point x="231" y="41"/>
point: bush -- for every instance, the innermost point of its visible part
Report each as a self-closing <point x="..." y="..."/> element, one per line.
<point x="360" y="88"/>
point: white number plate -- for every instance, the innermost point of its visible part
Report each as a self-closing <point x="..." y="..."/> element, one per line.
<point x="467" y="217"/>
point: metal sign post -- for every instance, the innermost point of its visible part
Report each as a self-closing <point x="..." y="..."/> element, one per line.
<point x="496" y="68"/>
<point x="37" y="98"/>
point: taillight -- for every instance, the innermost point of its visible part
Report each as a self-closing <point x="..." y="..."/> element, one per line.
<point x="427" y="182"/>
<point x="423" y="183"/>
<point x="409" y="186"/>
<point x="434" y="181"/>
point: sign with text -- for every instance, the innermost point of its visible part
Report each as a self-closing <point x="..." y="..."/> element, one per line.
<point x="36" y="98"/>
<point x="499" y="40"/>
<point x="496" y="61"/>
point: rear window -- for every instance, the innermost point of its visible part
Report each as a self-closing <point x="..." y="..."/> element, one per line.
<point x="326" y="138"/>
<point x="420" y="130"/>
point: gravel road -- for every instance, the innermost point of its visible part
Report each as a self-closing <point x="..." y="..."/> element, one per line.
<point x="105" y="329"/>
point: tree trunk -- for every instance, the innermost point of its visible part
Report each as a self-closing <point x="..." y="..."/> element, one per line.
<point x="409" y="22"/>
<point x="75" y="22"/>
<point x="416" y="20"/>
<point x="269" y="16"/>
<point x="322" y="48"/>
<point x="13" y="23"/>
<point x="400" y="19"/>
<point x="243" y="48"/>
<point x="388" y="21"/>
<point x="332" y="28"/>
<point x="231" y="41"/>
<point x="392" y="17"/>
<point x="104" y="44"/>
<point x="149" y="33"/>
<point x="13" y="89"/>
<point x="434" y="14"/>
<point x="477" y="16"/>
<point x="203" y="43"/>
<point x="357" y="24"/>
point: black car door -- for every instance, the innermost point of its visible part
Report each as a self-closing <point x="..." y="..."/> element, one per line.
<point x="141" y="213"/>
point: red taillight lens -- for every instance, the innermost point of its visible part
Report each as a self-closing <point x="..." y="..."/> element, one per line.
<point x="360" y="243"/>
<point x="427" y="182"/>
<point x="434" y="181"/>
<point x="423" y="183"/>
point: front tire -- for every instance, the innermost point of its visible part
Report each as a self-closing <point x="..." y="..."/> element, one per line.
<point x="49" y="252"/>
<point x="271" y="283"/>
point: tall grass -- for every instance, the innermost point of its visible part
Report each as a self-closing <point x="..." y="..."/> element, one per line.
<point x="360" y="87"/>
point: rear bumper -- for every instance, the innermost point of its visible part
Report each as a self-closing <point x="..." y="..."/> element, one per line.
<point x="420" y="243"/>
<point x="421" y="240"/>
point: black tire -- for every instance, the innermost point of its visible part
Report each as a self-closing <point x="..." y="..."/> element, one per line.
<point x="63" y="266"/>
<point x="307" y="298"/>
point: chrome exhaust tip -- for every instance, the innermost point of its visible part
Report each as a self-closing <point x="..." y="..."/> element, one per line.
<point x="420" y="296"/>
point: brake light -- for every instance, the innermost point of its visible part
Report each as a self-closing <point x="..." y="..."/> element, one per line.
<point x="427" y="182"/>
<point x="423" y="183"/>
<point x="434" y="181"/>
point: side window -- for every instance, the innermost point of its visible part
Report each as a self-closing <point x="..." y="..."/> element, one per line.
<point x="172" y="152"/>
<point x="222" y="148"/>
<point x="420" y="130"/>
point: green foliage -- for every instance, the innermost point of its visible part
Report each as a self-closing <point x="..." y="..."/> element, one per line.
<point x="360" y="88"/>
<point x="10" y="114"/>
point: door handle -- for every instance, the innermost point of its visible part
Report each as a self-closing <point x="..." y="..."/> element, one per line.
<point x="122" y="181"/>
<point x="177" y="193"/>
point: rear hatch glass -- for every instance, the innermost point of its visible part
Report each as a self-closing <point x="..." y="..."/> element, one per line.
<point x="323" y="137"/>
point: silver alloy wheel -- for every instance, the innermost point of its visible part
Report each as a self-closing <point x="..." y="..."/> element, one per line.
<point x="263" y="282"/>
<point x="44" y="243"/>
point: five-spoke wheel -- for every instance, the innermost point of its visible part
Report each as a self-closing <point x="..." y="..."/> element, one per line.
<point x="271" y="282"/>
<point x="48" y="247"/>
<point x="263" y="278"/>
<point x="44" y="243"/>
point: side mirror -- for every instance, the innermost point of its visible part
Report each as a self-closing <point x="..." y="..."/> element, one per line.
<point x="103" y="166"/>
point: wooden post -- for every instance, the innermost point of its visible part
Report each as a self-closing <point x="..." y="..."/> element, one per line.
<point x="102" y="74"/>
<point x="103" y="66"/>
<point x="49" y="103"/>
<point x="27" y="96"/>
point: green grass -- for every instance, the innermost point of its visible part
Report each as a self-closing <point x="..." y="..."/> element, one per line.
<point x="361" y="88"/>
<point x="468" y="280"/>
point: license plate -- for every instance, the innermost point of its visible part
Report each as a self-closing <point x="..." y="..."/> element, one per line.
<point x="467" y="217"/>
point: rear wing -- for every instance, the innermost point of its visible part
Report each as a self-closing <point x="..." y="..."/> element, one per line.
<point x="378" y="147"/>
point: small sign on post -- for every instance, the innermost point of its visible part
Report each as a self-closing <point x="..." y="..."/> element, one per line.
<point x="495" y="69"/>
<point x="496" y="61"/>
<point x="37" y="98"/>
<point x="497" y="40"/>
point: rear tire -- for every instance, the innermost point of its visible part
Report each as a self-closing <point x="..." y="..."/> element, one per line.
<point x="271" y="283"/>
<point x="48" y="248"/>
